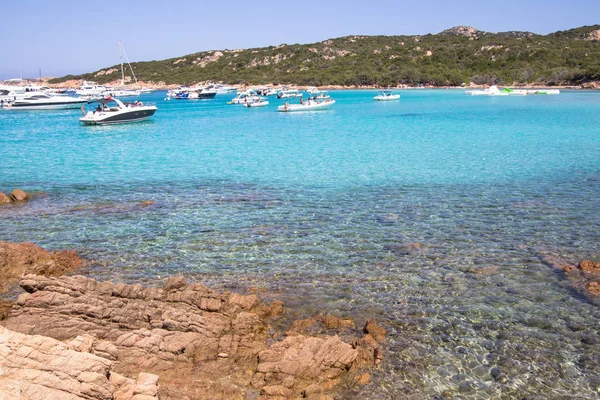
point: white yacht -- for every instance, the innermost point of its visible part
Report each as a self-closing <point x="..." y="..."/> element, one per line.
<point x="43" y="101"/>
<point x="287" y="94"/>
<point x="114" y="111"/>
<point x="91" y="89"/>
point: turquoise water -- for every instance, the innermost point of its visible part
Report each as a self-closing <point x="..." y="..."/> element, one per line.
<point x="366" y="210"/>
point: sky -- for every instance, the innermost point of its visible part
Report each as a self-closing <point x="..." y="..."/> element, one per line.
<point x="63" y="37"/>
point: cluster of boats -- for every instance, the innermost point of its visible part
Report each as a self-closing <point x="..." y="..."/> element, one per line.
<point x="494" y="91"/>
<point x="257" y="97"/>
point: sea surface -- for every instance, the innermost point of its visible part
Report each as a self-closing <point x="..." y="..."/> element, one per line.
<point x="435" y="214"/>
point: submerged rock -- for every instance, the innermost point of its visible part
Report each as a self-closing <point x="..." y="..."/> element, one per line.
<point x="201" y="343"/>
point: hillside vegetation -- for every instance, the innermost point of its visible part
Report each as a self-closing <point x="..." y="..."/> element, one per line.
<point x="453" y="57"/>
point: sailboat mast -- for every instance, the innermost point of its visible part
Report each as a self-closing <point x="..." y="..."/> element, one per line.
<point x="121" y="57"/>
<point x="128" y="63"/>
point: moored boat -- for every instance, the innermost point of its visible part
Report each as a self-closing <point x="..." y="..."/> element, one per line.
<point x="43" y="101"/>
<point x="306" y="106"/>
<point x="114" y="111"/>
<point x="256" y="103"/>
<point x="386" y="95"/>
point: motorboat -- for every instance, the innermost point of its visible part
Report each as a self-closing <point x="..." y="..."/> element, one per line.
<point x="386" y="95"/>
<point x="312" y="90"/>
<point x="113" y="111"/>
<point x="308" y="105"/>
<point x="257" y="103"/>
<point x="91" y="90"/>
<point x="272" y="92"/>
<point x="43" y="101"/>
<point x="491" y="91"/>
<point x="220" y="88"/>
<point x="287" y="94"/>
<point x="186" y="93"/>
<point x="121" y="92"/>
<point x="545" y="91"/>
<point x="249" y="96"/>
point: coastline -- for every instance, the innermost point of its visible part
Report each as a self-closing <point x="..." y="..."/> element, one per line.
<point x="164" y="86"/>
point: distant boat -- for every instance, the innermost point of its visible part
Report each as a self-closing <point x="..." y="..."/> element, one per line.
<point x="114" y="111"/>
<point x="248" y="96"/>
<point x="289" y="93"/>
<point x="386" y="95"/>
<point x="491" y="91"/>
<point x="494" y="91"/>
<point x="43" y="101"/>
<point x="187" y="93"/>
<point x="256" y="103"/>
<point x="306" y="106"/>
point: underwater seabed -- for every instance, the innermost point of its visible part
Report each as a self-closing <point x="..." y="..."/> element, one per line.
<point x="435" y="215"/>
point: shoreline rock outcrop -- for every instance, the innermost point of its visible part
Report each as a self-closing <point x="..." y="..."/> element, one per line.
<point x="18" y="259"/>
<point x="199" y="342"/>
<point x="39" y="367"/>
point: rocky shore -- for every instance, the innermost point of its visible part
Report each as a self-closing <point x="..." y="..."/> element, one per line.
<point x="72" y="337"/>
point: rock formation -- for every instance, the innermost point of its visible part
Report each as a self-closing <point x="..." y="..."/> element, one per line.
<point x="39" y="367"/>
<point x="199" y="342"/>
<point x="26" y="258"/>
<point x="18" y="195"/>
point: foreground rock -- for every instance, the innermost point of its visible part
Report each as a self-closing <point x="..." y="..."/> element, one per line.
<point x="39" y="367"/>
<point x="201" y="343"/>
<point x="17" y="260"/>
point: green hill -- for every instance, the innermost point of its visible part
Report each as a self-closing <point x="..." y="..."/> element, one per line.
<point x="452" y="57"/>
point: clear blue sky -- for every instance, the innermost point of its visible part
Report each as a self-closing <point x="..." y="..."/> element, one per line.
<point x="65" y="36"/>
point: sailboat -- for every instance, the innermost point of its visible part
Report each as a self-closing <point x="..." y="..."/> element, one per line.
<point x="122" y="91"/>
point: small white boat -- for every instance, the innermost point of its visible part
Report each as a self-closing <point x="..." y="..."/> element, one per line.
<point x="256" y="103"/>
<point x="114" y="111"/>
<point x="287" y="94"/>
<point x="306" y="106"/>
<point x="491" y="91"/>
<point x="386" y="95"/>
<point x="312" y="90"/>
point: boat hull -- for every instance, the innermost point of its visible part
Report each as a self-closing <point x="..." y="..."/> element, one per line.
<point x="306" y="107"/>
<point x="19" y="105"/>
<point x="119" y="118"/>
<point x="387" y="98"/>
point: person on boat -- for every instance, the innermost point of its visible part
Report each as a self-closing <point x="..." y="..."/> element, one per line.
<point x="286" y="106"/>
<point x="301" y="100"/>
<point x="99" y="108"/>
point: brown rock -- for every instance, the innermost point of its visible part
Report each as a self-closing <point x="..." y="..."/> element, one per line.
<point x="593" y="288"/>
<point x="375" y="330"/>
<point x="18" y="195"/>
<point x="201" y="343"/>
<point x="569" y="268"/>
<point x="588" y="266"/>
<point x="5" y="306"/>
<point x="363" y="379"/>
<point x="38" y="367"/>
<point x="4" y="198"/>
<point x="26" y="258"/>
<point x="333" y="322"/>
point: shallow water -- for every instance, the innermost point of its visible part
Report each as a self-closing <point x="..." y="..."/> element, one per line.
<point x="365" y="210"/>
